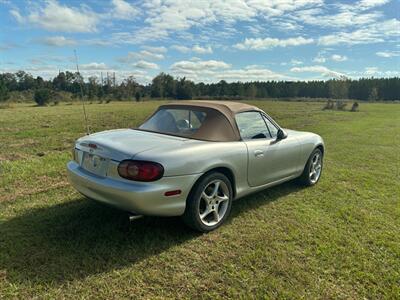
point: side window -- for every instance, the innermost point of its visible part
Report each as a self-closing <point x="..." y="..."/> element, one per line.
<point x="272" y="128"/>
<point x="251" y="125"/>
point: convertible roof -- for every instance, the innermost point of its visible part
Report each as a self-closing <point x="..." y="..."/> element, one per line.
<point x="220" y="124"/>
<point x="223" y="106"/>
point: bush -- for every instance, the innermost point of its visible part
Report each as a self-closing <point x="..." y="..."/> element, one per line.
<point x="329" y="105"/>
<point x="4" y="94"/>
<point x="137" y="96"/>
<point x="42" y="96"/>
<point x="340" y="105"/>
<point x="354" y="107"/>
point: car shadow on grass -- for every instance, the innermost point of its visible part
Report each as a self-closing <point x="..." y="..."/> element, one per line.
<point x="77" y="239"/>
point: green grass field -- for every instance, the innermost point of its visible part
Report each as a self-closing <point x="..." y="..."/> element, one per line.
<point x="339" y="239"/>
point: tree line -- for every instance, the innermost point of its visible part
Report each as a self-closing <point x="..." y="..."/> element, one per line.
<point x="167" y="86"/>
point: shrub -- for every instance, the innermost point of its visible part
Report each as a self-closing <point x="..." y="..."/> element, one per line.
<point x="42" y="96"/>
<point x="340" y="105"/>
<point x="328" y="105"/>
<point x="137" y="96"/>
<point x="355" y="106"/>
<point x="4" y="94"/>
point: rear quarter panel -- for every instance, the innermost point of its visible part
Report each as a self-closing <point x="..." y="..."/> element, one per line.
<point x="195" y="157"/>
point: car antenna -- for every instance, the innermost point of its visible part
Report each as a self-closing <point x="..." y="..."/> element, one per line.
<point x="81" y="88"/>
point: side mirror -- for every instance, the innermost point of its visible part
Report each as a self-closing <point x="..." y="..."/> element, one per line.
<point x="281" y="135"/>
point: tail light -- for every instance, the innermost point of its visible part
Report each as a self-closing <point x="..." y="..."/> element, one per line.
<point x="140" y="170"/>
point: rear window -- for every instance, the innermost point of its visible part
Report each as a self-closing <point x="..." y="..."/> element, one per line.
<point x="181" y="122"/>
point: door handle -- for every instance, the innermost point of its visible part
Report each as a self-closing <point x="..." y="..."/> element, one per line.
<point x="258" y="153"/>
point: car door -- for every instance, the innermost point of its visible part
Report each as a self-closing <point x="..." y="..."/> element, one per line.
<point x="269" y="159"/>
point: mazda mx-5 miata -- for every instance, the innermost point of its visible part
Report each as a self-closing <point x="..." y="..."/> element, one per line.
<point x="192" y="159"/>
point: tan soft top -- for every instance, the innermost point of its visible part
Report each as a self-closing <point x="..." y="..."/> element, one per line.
<point x="220" y="124"/>
<point x="223" y="106"/>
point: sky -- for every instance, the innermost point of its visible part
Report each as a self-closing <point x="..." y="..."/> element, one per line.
<point x="203" y="40"/>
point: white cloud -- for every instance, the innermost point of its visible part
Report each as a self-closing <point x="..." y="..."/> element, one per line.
<point x="151" y="55"/>
<point x="319" y="59"/>
<point x="343" y="19"/>
<point x="165" y="16"/>
<point x="250" y="74"/>
<point x="57" y="17"/>
<point x="123" y="10"/>
<point x="94" y="66"/>
<point x="58" y="41"/>
<point x="369" y="71"/>
<point x="296" y="62"/>
<point x="202" y="50"/>
<point x="181" y="48"/>
<point x="267" y="43"/>
<point x="196" y="48"/>
<point x="286" y="25"/>
<point x="142" y="64"/>
<point x="324" y="71"/>
<point x="213" y="71"/>
<point x="367" y="4"/>
<point x="198" y="65"/>
<point x="141" y="55"/>
<point x="338" y="57"/>
<point x="373" y="33"/>
<point x="159" y="49"/>
<point x="15" y="13"/>
<point x="375" y="72"/>
<point x="388" y="54"/>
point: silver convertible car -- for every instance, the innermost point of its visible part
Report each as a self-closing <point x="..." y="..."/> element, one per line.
<point x="192" y="159"/>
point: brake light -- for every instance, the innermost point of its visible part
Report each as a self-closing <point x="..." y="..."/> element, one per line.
<point x="139" y="170"/>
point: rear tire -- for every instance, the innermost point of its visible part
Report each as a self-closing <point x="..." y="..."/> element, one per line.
<point x="209" y="203"/>
<point x="313" y="169"/>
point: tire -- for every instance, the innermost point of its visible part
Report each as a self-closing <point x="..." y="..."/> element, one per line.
<point x="313" y="169"/>
<point x="209" y="203"/>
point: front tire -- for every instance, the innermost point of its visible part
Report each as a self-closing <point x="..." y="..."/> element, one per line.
<point x="209" y="203"/>
<point x="313" y="169"/>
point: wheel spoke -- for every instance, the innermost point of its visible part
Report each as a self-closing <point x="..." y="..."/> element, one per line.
<point x="222" y="198"/>
<point x="205" y="213"/>
<point x="215" y="190"/>
<point x="205" y="197"/>
<point x="216" y="216"/>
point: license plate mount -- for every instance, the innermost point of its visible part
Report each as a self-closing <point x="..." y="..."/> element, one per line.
<point x="95" y="164"/>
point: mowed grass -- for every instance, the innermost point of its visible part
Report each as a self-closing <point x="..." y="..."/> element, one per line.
<point x="339" y="239"/>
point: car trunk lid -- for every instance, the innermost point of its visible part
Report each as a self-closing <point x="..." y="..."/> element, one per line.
<point x="123" y="144"/>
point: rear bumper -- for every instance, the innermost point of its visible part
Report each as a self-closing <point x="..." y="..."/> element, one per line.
<point x="144" y="198"/>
